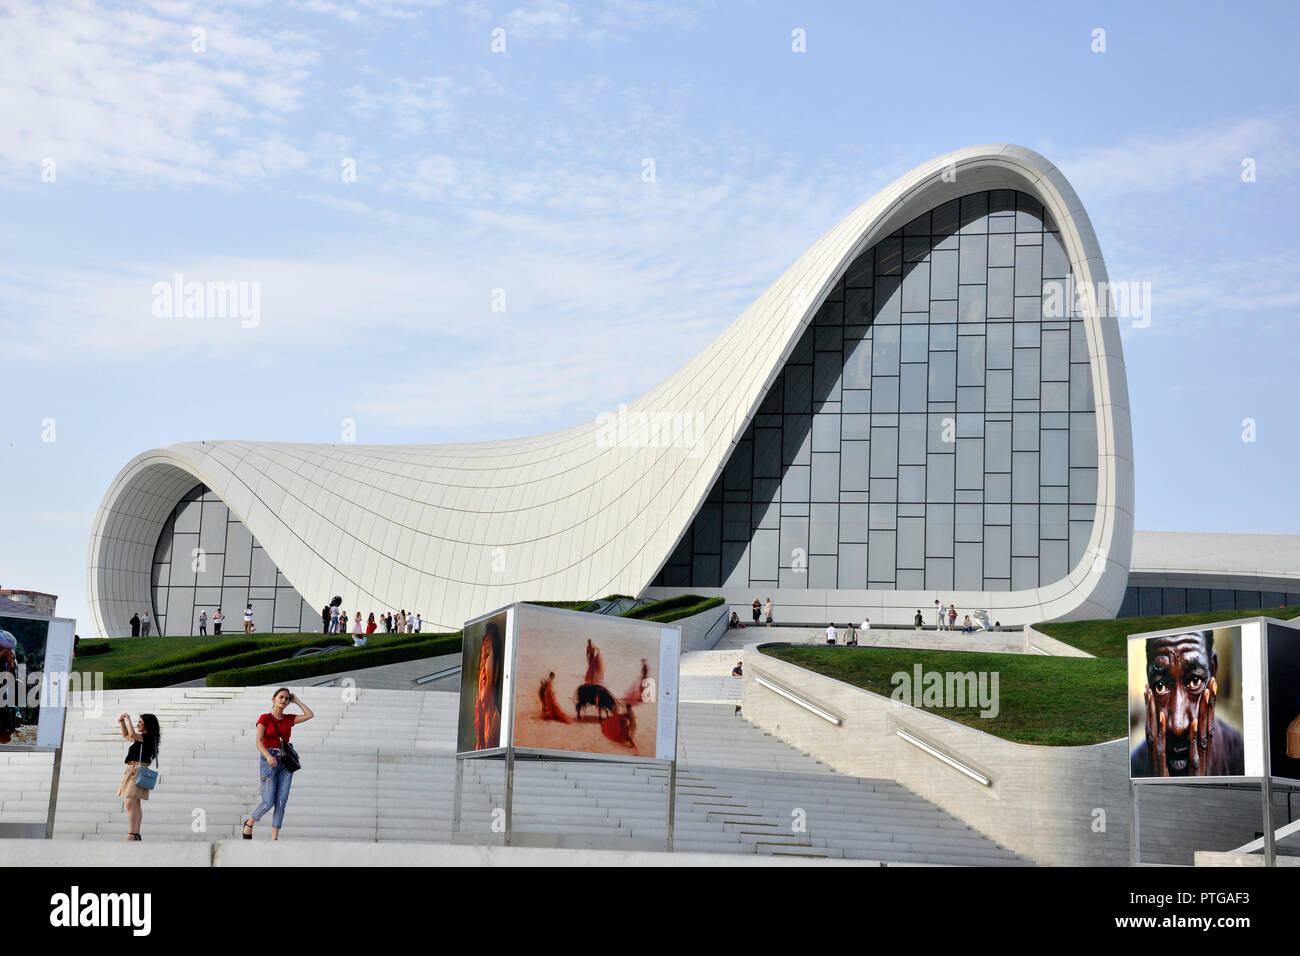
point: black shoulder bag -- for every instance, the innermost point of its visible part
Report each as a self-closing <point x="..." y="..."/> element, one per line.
<point x="288" y="753"/>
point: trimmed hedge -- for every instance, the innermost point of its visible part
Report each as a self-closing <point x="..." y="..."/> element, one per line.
<point x="200" y="662"/>
<point x="88" y="649"/>
<point x="393" y="652"/>
<point x="674" y="608"/>
<point x="177" y="670"/>
<point x="578" y="605"/>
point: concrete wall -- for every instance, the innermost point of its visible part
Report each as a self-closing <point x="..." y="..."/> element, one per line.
<point x="1043" y="802"/>
<point x="701" y="631"/>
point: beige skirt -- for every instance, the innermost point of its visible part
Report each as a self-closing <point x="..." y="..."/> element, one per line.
<point x="127" y="787"/>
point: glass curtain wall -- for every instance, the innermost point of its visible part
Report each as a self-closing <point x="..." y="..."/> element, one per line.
<point x="206" y="559"/>
<point x="934" y="428"/>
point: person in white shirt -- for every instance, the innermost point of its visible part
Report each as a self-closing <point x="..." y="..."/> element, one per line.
<point x="248" y="619"/>
<point x="145" y="624"/>
<point x="217" y="620"/>
<point x="831" y="634"/>
<point x="943" y="614"/>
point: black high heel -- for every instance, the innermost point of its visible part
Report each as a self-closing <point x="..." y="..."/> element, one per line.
<point x="245" y="828"/>
<point x="134" y="836"/>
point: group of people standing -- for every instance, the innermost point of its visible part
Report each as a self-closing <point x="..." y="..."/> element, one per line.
<point x="946" y="619"/>
<point x="141" y="626"/>
<point x="334" y="620"/>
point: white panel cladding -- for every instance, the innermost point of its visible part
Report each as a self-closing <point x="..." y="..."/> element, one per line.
<point x="639" y="498"/>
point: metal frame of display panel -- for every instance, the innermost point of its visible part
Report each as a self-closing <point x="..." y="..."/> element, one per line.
<point x="1266" y="782"/>
<point x="45" y="831"/>
<point x="509" y="752"/>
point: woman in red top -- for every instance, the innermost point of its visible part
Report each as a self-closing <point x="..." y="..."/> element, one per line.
<point x="273" y="729"/>
<point x="371" y="626"/>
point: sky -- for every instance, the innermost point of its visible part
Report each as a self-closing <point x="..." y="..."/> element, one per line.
<point x="491" y="220"/>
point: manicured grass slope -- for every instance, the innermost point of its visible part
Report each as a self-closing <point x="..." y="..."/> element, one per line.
<point x="1108" y="638"/>
<point x="128" y="653"/>
<point x="162" y="661"/>
<point x="1049" y="701"/>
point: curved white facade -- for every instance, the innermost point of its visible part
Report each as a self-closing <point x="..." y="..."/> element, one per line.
<point x="454" y="530"/>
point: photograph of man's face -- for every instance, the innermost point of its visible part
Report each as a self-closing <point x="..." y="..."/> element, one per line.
<point x="1179" y="699"/>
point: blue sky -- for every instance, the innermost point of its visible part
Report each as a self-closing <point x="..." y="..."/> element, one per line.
<point x="220" y="156"/>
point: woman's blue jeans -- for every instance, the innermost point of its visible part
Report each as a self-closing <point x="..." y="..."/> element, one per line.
<point x="275" y="789"/>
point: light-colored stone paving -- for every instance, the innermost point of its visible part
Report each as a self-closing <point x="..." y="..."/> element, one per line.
<point x="995" y="642"/>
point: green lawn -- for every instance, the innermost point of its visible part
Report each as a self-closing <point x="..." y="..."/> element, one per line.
<point x="128" y="653"/>
<point x="1108" y="638"/>
<point x="1049" y="701"/>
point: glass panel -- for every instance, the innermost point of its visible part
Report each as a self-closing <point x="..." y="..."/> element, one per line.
<point x="826" y="432"/>
<point x="968" y="567"/>
<point x="853" y="566"/>
<point x="973" y="259"/>
<point x="940" y="478"/>
<point x="854" y="465"/>
<point x="884" y="452"/>
<point x="970" y="360"/>
<point x="912" y="388"/>
<point x="939" y="530"/>
<point x="916" y="343"/>
<point x="943" y="275"/>
<point x="1002" y="252"/>
<point x="826" y="477"/>
<point x="885" y="351"/>
<point x="880" y="557"/>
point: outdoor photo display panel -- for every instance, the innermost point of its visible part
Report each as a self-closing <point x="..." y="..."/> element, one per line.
<point x="1283" y="649"/>
<point x="485" y="683"/>
<point x="35" y="660"/>
<point x="595" y="684"/>
<point x="1189" y="703"/>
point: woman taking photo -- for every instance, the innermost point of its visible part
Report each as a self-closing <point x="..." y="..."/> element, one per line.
<point x="274" y="730"/>
<point x="141" y="753"/>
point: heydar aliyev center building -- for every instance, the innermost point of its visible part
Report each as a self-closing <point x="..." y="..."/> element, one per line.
<point x="939" y="409"/>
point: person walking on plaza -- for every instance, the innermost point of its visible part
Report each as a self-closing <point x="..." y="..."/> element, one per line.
<point x="758" y="609"/>
<point x="248" y="618"/>
<point x="142" y="752"/>
<point x="145" y="624"/>
<point x="203" y="623"/>
<point x="943" y="613"/>
<point x="918" y="621"/>
<point x="952" y="617"/>
<point x="273" y="732"/>
<point x="217" y="620"/>
<point x="135" y="624"/>
<point x="767" y="610"/>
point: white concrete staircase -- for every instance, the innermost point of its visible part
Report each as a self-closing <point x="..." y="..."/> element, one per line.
<point x="379" y="765"/>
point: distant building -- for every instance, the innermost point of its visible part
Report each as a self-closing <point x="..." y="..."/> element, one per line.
<point x="34" y="602"/>
<point x="930" y="404"/>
